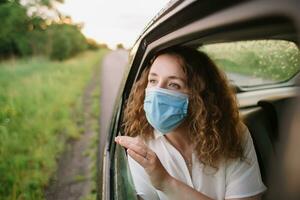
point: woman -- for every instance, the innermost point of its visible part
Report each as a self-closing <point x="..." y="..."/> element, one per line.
<point x="185" y="139"/>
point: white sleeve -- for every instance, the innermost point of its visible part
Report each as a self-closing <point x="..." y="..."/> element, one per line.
<point x="243" y="178"/>
<point x="141" y="181"/>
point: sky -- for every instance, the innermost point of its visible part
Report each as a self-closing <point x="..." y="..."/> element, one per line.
<point x="112" y="21"/>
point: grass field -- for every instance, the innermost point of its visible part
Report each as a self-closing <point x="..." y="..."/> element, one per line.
<point x="40" y="107"/>
<point x="92" y="151"/>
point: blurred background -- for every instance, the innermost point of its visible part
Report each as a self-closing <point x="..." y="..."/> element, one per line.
<point x="51" y="53"/>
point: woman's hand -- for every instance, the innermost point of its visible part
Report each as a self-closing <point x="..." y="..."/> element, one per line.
<point x="147" y="158"/>
<point x="159" y="176"/>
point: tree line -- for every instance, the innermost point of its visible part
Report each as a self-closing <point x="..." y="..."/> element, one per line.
<point x="26" y="32"/>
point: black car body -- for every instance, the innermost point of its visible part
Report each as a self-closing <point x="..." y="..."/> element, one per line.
<point x="198" y="23"/>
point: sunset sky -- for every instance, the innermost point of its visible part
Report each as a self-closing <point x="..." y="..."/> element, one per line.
<point x="112" y="21"/>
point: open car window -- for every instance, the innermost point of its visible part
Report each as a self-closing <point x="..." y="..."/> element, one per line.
<point x="257" y="62"/>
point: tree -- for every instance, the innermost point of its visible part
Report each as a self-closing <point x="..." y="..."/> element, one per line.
<point x="92" y="44"/>
<point x="14" y="22"/>
<point x="24" y="34"/>
<point x="120" y="46"/>
<point x="66" y="40"/>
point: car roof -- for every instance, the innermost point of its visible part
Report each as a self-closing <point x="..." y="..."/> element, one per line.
<point x="196" y="9"/>
<point x="219" y="21"/>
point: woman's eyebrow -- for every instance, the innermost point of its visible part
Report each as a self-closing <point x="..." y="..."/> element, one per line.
<point x="176" y="77"/>
<point x="170" y="77"/>
<point x="153" y="74"/>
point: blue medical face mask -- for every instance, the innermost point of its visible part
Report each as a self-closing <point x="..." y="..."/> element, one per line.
<point x="165" y="109"/>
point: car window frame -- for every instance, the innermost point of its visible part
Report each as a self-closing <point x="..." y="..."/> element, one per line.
<point x="143" y="51"/>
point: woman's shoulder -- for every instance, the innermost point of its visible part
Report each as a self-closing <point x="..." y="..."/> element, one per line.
<point x="245" y="134"/>
<point x="247" y="138"/>
<point x="246" y="143"/>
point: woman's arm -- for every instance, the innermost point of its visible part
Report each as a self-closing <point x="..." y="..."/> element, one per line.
<point x="158" y="175"/>
<point x="176" y="189"/>
<point x="256" y="197"/>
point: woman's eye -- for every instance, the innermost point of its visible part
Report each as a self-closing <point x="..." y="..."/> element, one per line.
<point x="174" y="85"/>
<point x="152" y="81"/>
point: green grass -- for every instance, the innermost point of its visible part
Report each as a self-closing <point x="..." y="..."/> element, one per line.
<point x="275" y="60"/>
<point x="92" y="151"/>
<point x="39" y="110"/>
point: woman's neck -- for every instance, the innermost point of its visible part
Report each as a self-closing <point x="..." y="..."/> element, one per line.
<point x="179" y="138"/>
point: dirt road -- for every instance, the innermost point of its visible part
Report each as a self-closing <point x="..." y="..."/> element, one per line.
<point x="73" y="179"/>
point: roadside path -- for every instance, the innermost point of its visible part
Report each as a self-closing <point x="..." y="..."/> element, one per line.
<point x="73" y="179"/>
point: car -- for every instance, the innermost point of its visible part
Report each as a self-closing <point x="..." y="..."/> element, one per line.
<point x="256" y="43"/>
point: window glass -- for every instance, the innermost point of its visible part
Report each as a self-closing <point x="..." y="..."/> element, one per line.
<point x="124" y="187"/>
<point x="258" y="62"/>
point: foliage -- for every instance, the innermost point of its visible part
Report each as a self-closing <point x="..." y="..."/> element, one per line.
<point x="26" y="35"/>
<point x="37" y="102"/>
<point x="65" y="41"/>
<point x="93" y="45"/>
<point x="3" y="1"/>
<point x="120" y="46"/>
<point x="271" y="60"/>
<point x="13" y="26"/>
<point x="47" y="3"/>
<point x="92" y="151"/>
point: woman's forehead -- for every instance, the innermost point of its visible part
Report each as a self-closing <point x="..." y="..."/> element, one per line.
<point x="168" y="65"/>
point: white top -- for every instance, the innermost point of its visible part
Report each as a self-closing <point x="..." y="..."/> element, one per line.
<point x="236" y="179"/>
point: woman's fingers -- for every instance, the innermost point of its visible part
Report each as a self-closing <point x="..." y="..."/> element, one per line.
<point x="137" y="157"/>
<point x="126" y="140"/>
<point x="133" y="144"/>
<point x="138" y="150"/>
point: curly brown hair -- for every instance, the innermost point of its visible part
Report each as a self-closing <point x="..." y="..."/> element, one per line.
<point x="213" y="121"/>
